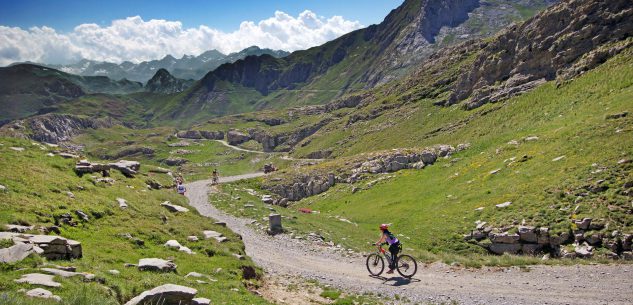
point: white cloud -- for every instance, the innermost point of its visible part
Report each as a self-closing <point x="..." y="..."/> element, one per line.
<point x="137" y="40"/>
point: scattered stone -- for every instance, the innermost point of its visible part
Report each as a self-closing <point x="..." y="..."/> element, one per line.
<point x="267" y="199"/>
<point x="530" y="138"/>
<point x="17" y="148"/>
<point x="495" y="171"/>
<point x="3" y="188"/>
<point x="68" y="156"/>
<point x="194" y="274"/>
<point x="248" y="206"/>
<point x="38" y="279"/>
<point x="175" y="161"/>
<point x="627" y="255"/>
<point x="122" y="203"/>
<point x="63" y="273"/>
<point x="479" y="209"/>
<point x="179" y="144"/>
<point x="624" y="161"/>
<point x="200" y="301"/>
<point x="156" y="264"/>
<point x="114" y="272"/>
<point x="213" y="234"/>
<point x="43" y="294"/>
<point x="174" y="208"/>
<point x="583" y="224"/>
<point x="176" y="245"/>
<point x="192" y="238"/>
<point x="70" y="195"/>
<point x="504" y="205"/>
<point x="558" y="158"/>
<point x="82" y="215"/>
<point x="16" y="253"/>
<point x="584" y="251"/>
<point x="616" y="115"/>
<point x="168" y="294"/>
<point x="19" y="228"/>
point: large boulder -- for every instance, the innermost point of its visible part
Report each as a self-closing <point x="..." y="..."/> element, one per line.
<point x="501" y="248"/>
<point x="16" y="253"/>
<point x="504" y="238"/>
<point x="42" y="294"/>
<point x="583" y="224"/>
<point x="189" y="134"/>
<point x="528" y="234"/>
<point x="215" y="235"/>
<point x="173" y="207"/>
<point x="212" y="135"/>
<point x="156" y="264"/>
<point x="168" y="294"/>
<point x="235" y="137"/>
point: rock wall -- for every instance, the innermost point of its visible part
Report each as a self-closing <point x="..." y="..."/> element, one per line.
<point x="563" y="41"/>
<point x="583" y="239"/>
<point x="53" y="128"/>
<point x="304" y="185"/>
<point x="201" y="134"/>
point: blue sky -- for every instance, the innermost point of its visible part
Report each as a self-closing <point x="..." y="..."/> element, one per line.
<point x="223" y="15"/>
<point x="62" y="32"/>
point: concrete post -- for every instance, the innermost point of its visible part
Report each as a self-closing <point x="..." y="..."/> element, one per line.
<point x="275" y="223"/>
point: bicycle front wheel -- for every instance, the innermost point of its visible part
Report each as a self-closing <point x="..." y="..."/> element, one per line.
<point x="375" y="264"/>
<point x="407" y="267"/>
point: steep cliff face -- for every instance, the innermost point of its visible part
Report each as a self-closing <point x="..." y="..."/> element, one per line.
<point x="562" y="42"/>
<point x="52" y="128"/>
<point x="163" y="82"/>
<point x="358" y="60"/>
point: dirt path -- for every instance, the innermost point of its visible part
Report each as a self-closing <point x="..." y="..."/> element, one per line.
<point x="436" y="283"/>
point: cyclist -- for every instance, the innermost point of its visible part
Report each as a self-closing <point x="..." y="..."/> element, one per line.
<point x="394" y="245"/>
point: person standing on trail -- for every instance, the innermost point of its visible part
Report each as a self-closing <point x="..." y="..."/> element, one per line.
<point x="180" y="188"/>
<point x="394" y="245"/>
<point x="215" y="176"/>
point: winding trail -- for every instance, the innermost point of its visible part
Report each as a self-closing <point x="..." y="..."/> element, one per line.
<point x="281" y="255"/>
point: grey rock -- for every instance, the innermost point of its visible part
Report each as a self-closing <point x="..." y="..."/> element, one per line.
<point x="168" y="294"/>
<point x="504" y="238"/>
<point x="114" y="272"/>
<point x="627" y="242"/>
<point x="594" y="239"/>
<point x="38" y="279"/>
<point x="82" y="215"/>
<point x="584" y="251"/>
<point x="213" y="234"/>
<point x="18" y="228"/>
<point x="200" y="301"/>
<point x="531" y="249"/>
<point x="543" y="236"/>
<point x="63" y="273"/>
<point x="627" y="255"/>
<point x="560" y="239"/>
<point x="504" y="205"/>
<point x="500" y="248"/>
<point x="122" y="203"/>
<point x="15" y="253"/>
<point x="43" y="294"/>
<point x="195" y="274"/>
<point x="192" y="238"/>
<point x="173" y="207"/>
<point x="175" y="161"/>
<point x="156" y="264"/>
<point x="235" y="137"/>
<point x="528" y="234"/>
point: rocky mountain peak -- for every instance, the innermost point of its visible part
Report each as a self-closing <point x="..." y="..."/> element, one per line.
<point x="164" y="82"/>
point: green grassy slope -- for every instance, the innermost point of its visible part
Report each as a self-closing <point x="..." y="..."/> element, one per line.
<point x="433" y="207"/>
<point x="36" y="193"/>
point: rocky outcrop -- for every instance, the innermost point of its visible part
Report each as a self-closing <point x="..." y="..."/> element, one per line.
<point x="562" y="42"/>
<point x="235" y="137"/>
<point x="200" y="134"/>
<point x="156" y="264"/>
<point x="127" y="168"/>
<point x="168" y="294"/>
<point x="53" y="128"/>
<point x="529" y="240"/>
<point x="49" y="246"/>
<point x="164" y="82"/>
<point x="302" y="185"/>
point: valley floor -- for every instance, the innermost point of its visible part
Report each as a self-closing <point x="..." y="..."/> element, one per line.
<point x="434" y="283"/>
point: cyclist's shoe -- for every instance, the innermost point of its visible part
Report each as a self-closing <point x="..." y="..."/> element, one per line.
<point x="390" y="271"/>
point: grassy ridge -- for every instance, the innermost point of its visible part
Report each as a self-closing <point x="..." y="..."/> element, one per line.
<point x="41" y="195"/>
<point x="433" y="207"/>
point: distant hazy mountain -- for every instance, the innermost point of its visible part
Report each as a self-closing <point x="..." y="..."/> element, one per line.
<point x="187" y="67"/>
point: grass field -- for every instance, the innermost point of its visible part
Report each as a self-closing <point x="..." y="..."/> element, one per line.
<point x="41" y="195"/>
<point x="577" y="147"/>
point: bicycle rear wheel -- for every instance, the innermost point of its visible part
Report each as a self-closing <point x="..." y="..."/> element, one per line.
<point x="375" y="264"/>
<point x="407" y="267"/>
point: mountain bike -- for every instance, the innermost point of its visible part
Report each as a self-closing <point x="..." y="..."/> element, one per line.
<point x="405" y="264"/>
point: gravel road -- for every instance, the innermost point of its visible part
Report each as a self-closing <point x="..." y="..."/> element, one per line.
<point x="434" y="283"/>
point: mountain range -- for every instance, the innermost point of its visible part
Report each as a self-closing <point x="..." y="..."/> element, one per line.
<point x="187" y="67"/>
